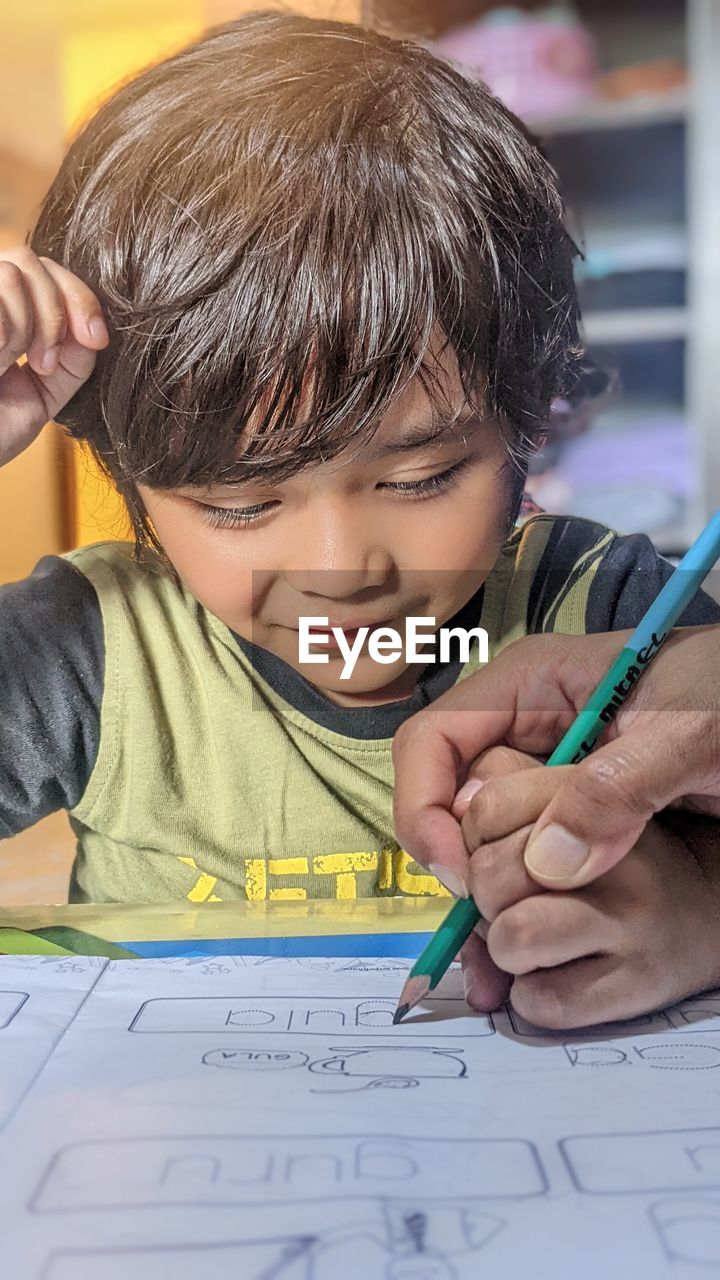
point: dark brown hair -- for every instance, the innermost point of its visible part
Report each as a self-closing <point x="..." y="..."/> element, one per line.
<point x="275" y="222"/>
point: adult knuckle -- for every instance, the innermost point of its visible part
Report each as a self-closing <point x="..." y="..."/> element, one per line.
<point x="695" y="736"/>
<point x="409" y="733"/>
<point x="608" y="782"/>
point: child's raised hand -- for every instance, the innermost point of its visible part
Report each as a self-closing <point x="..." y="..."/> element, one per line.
<point x="48" y="314"/>
<point x="612" y="949"/>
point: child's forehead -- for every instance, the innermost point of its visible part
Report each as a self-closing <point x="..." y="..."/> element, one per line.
<point x="416" y="431"/>
<point x="430" y="407"/>
<point x="422" y="416"/>
<point x="431" y="391"/>
<point x="435" y="391"/>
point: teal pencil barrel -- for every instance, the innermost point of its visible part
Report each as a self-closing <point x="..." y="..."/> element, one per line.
<point x="450" y="935"/>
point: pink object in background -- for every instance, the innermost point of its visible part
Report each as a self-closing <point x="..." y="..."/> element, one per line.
<point x="539" y="64"/>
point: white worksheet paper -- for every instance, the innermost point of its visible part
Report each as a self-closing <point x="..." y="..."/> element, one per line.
<point x="39" y="997"/>
<point x="261" y="1119"/>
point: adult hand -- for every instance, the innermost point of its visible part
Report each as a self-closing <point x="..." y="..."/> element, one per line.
<point x="663" y="749"/>
<point x="612" y="949"/>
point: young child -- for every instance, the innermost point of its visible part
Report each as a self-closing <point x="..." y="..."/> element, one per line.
<point x="339" y="301"/>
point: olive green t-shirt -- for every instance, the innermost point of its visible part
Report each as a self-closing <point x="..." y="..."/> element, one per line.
<point x="210" y="784"/>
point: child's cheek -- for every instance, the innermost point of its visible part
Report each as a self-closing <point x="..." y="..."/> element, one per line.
<point x="211" y="563"/>
<point x="235" y="593"/>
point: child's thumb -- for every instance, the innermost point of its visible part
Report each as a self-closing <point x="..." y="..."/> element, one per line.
<point x="600" y="811"/>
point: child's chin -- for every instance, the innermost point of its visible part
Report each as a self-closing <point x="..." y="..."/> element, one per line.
<point x="367" y="680"/>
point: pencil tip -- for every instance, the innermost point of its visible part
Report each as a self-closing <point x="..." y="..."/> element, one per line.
<point x="413" y="992"/>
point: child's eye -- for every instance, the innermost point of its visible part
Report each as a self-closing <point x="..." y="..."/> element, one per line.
<point x="430" y="485"/>
<point x="235" y="517"/>
<point x="242" y="517"/>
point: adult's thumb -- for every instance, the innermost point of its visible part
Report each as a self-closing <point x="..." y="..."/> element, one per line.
<point x="600" y="810"/>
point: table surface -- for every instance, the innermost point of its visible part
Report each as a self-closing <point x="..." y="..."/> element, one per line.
<point x="373" y="926"/>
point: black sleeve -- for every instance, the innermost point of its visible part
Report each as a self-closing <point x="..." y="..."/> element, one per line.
<point x="627" y="581"/>
<point x="52" y="660"/>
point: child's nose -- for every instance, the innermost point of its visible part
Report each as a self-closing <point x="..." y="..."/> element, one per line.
<point x="341" y="555"/>
<point x="340" y="584"/>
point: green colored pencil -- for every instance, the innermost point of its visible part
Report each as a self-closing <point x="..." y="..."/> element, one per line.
<point x="601" y="708"/>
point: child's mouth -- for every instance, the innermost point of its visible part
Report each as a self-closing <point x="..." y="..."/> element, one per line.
<point x="328" y="636"/>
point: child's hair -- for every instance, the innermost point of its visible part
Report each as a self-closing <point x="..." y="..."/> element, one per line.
<point x="277" y="222"/>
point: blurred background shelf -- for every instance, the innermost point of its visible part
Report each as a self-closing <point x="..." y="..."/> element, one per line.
<point x="634" y="135"/>
<point x="601" y="114"/>
<point x="642" y="176"/>
<point x="636" y="325"/>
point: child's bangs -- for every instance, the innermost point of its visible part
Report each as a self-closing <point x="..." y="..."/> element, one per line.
<point x="291" y="354"/>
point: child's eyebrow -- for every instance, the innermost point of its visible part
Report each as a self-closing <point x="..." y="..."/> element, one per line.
<point x="416" y="436"/>
<point x="424" y="433"/>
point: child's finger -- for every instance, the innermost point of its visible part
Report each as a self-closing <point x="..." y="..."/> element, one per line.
<point x="547" y="930"/>
<point x="503" y="804"/>
<point x="498" y="877"/>
<point x="48" y="320"/>
<point x="28" y="401"/>
<point x="16" y="317"/>
<point x="84" y="313"/>
<point x="486" y="986"/>
<point x="75" y="365"/>
<point x="497" y="762"/>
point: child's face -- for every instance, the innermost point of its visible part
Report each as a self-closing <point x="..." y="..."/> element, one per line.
<point x="398" y="528"/>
